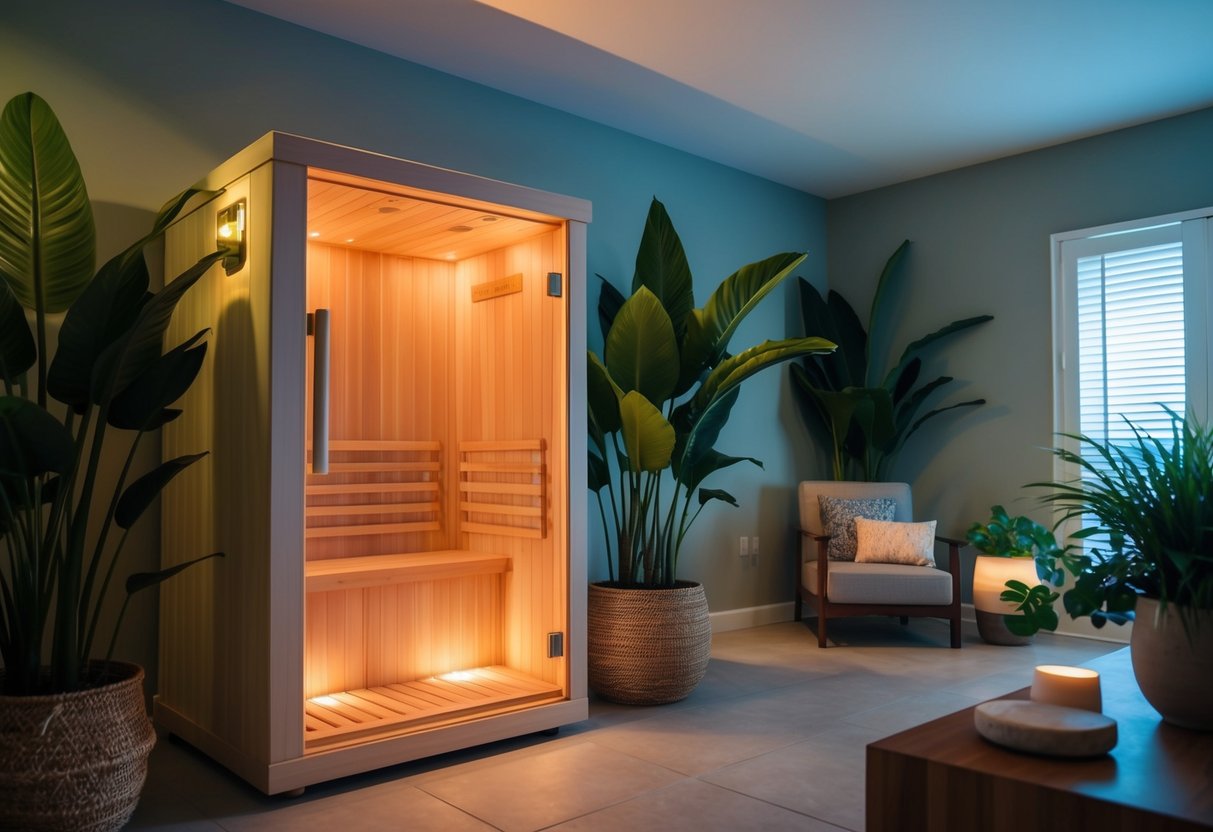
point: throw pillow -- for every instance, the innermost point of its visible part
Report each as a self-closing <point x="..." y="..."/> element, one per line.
<point x="912" y="544"/>
<point x="838" y="520"/>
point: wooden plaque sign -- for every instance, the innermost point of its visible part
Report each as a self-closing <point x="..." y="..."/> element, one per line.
<point x="497" y="288"/>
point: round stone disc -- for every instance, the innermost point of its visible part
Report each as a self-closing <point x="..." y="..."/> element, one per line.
<point x="1045" y="729"/>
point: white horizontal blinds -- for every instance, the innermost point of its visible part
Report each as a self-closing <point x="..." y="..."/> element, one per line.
<point x="1130" y="307"/>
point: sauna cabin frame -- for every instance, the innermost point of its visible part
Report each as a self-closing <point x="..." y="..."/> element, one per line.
<point x="234" y="632"/>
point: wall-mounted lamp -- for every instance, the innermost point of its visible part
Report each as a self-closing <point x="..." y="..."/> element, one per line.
<point x="229" y="235"/>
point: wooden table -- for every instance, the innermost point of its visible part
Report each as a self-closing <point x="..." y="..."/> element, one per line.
<point x="944" y="776"/>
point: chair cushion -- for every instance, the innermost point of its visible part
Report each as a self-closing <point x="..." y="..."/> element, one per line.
<point x="838" y="519"/>
<point x="881" y="583"/>
<point x="910" y="543"/>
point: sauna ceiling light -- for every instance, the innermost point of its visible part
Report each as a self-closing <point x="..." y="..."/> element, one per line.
<point x="229" y="235"/>
<point x="313" y="233"/>
<point x="461" y="228"/>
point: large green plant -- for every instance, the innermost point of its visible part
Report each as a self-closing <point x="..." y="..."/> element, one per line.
<point x="1151" y="500"/>
<point x="865" y="419"/>
<point x="662" y="392"/>
<point x="59" y="512"/>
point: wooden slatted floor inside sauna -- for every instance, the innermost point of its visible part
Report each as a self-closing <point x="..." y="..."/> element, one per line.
<point x="434" y="568"/>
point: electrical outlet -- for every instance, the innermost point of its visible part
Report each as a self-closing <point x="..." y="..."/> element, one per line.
<point x="754" y="551"/>
<point x="743" y="548"/>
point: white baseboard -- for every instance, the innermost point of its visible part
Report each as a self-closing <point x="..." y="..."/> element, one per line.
<point x="1071" y="628"/>
<point x="740" y="619"/>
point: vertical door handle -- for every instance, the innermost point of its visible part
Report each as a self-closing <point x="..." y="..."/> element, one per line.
<point x="320" y="393"/>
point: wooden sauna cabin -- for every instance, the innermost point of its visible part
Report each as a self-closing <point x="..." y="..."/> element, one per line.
<point x="394" y="404"/>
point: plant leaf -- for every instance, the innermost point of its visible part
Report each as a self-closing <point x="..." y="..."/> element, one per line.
<point x="140" y="346"/>
<point x="708" y="494"/>
<point x="709" y="329"/>
<point x="139" y="494"/>
<point x="144" y="580"/>
<point x="882" y="286"/>
<point x="17" y="350"/>
<point x="610" y="300"/>
<point x="143" y="402"/>
<point x="917" y="346"/>
<point x="850" y="360"/>
<point x="603" y="395"/>
<point x="661" y="267"/>
<point x="32" y="441"/>
<point x="597" y="472"/>
<point x="647" y="436"/>
<point x="47" y="236"/>
<point x="641" y="353"/>
<point x="708" y="463"/>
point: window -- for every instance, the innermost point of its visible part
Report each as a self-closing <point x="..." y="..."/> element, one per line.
<point x="1131" y="307"/>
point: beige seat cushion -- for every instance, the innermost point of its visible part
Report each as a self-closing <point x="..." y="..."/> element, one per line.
<point x="880" y="583"/>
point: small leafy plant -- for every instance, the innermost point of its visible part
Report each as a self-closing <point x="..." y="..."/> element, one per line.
<point x="63" y="520"/>
<point x="1022" y="537"/>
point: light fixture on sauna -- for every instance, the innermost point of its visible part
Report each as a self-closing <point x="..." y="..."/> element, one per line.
<point x="229" y="235"/>
<point x="458" y="676"/>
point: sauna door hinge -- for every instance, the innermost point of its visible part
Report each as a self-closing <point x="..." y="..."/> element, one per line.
<point x="555" y="645"/>
<point x="311" y="324"/>
<point x="555" y="284"/>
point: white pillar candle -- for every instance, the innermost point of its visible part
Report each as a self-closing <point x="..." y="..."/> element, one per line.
<point x="1070" y="687"/>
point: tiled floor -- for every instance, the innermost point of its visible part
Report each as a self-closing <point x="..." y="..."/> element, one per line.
<point x="772" y="739"/>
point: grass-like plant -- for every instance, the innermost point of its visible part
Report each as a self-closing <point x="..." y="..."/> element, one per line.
<point x="1146" y="511"/>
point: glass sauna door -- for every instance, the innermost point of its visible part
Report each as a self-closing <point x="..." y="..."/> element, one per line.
<point x="436" y="498"/>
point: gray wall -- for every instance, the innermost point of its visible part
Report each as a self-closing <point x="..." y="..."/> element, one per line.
<point x="981" y="245"/>
<point x="154" y="94"/>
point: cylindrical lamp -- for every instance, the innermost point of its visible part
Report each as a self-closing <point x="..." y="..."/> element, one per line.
<point x="990" y="576"/>
<point x="1070" y="687"/>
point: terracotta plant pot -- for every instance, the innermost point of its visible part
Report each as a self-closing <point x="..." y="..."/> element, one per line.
<point x="647" y="646"/>
<point x="1175" y="673"/>
<point x="75" y="761"/>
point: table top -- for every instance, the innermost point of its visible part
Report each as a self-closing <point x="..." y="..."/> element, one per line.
<point x="1155" y="766"/>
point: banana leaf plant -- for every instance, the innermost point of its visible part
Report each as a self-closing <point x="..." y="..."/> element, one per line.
<point x="663" y="391"/>
<point x="63" y="519"/>
<point x="864" y="419"/>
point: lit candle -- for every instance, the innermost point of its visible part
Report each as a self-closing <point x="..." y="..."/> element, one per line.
<point x="1070" y="687"/>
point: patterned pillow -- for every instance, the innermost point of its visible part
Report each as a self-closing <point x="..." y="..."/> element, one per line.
<point x="912" y="544"/>
<point x="838" y="520"/>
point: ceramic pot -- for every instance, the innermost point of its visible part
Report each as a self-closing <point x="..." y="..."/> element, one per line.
<point x="647" y="646"/>
<point x="1174" y="672"/>
<point x="75" y="761"/>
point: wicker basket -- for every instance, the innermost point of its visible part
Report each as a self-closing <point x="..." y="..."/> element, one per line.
<point x="75" y="761"/>
<point x="647" y="646"/>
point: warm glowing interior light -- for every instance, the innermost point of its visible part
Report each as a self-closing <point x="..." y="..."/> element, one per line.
<point x="226" y="230"/>
<point x="1062" y="670"/>
<point x="350" y="240"/>
<point x="313" y="233"/>
<point x="327" y="701"/>
<point x="458" y="676"/>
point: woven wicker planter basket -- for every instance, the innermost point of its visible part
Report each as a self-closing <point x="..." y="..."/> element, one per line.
<point x="647" y="646"/>
<point x="75" y="761"/>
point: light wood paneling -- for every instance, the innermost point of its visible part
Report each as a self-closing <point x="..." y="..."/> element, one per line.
<point x="391" y="223"/>
<point x="377" y="570"/>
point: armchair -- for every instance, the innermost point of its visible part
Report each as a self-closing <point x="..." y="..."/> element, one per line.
<point x="844" y="588"/>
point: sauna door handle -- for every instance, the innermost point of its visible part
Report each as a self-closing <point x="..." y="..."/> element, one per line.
<point x="320" y="393"/>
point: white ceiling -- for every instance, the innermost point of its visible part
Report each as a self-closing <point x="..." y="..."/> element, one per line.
<point x="832" y="97"/>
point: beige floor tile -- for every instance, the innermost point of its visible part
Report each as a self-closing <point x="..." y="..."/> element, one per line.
<point x="372" y="809"/>
<point x="695" y="806"/>
<point x="821" y="777"/>
<point x="694" y="741"/>
<point x="543" y="789"/>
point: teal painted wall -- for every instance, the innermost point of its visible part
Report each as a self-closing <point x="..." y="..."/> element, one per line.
<point x="154" y="94"/>
<point x="981" y="244"/>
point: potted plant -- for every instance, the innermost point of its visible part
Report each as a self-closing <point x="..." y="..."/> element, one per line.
<point x="74" y="732"/>
<point x="658" y="399"/>
<point x="866" y="420"/>
<point x="1146" y="510"/>
<point x="1009" y="602"/>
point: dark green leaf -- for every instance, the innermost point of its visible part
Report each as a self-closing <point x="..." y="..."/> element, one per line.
<point x="917" y="346"/>
<point x="603" y="395"/>
<point x="610" y="300"/>
<point x="139" y="494"/>
<point x="661" y="267"/>
<point x="708" y="463"/>
<point x="598" y="473"/>
<point x="32" y="441"/>
<point x="17" y="350"/>
<point x="144" y="580"/>
<point x="708" y="494"/>
<point x="882" y="285"/>
<point x="143" y="402"/>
